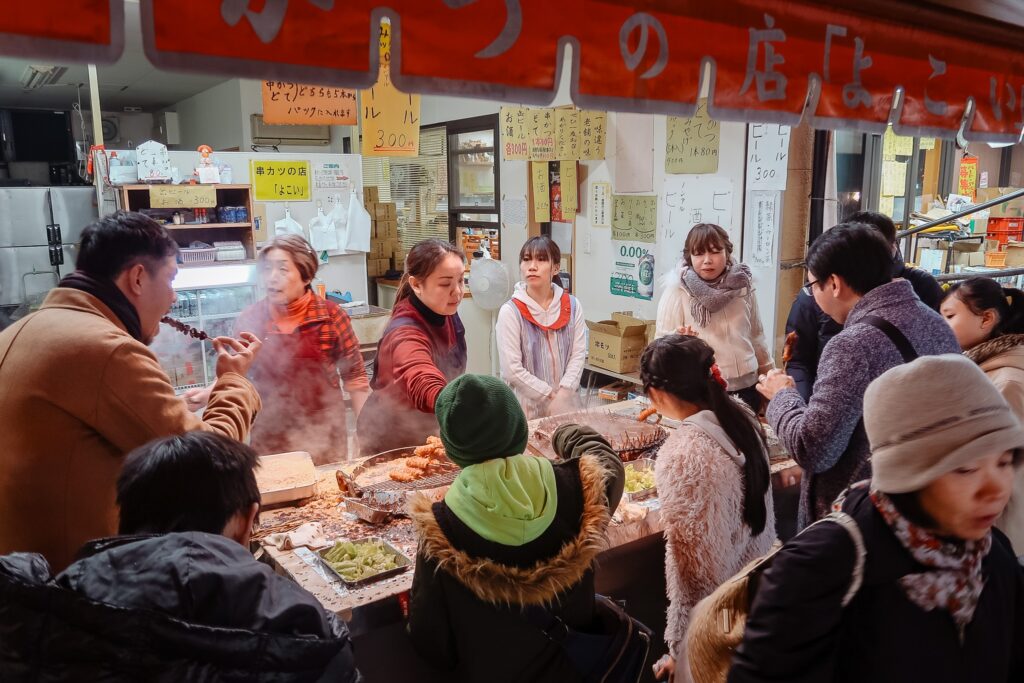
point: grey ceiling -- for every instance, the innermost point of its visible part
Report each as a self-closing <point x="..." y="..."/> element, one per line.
<point x="132" y="81"/>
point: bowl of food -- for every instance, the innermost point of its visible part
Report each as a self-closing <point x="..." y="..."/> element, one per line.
<point x="640" y="480"/>
<point x="356" y="563"/>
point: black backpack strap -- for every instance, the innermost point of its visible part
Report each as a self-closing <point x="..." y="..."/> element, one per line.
<point x="902" y="344"/>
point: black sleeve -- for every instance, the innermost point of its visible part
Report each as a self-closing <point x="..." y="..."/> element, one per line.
<point x="429" y="626"/>
<point x="925" y="286"/>
<point x="570" y="441"/>
<point x="342" y="668"/>
<point x="803" y="364"/>
<point x="792" y="633"/>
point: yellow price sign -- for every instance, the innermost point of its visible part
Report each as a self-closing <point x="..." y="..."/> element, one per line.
<point x="279" y="181"/>
<point x="182" y="196"/>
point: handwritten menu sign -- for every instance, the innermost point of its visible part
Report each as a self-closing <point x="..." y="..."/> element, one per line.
<point x="691" y="145"/>
<point x="541" y="191"/>
<point x="513" y="133"/>
<point x="593" y="134"/>
<point x="182" y="196"/>
<point x="567" y="133"/>
<point x="600" y="205"/>
<point x="766" y="225"/>
<point x="634" y="218"/>
<point x="390" y="118"/>
<point x="279" y="181"/>
<point x="767" y="156"/>
<point x="570" y="189"/>
<point x="968" y="182"/>
<point x="541" y="135"/>
<point x="894" y="178"/>
<point x="311" y="105"/>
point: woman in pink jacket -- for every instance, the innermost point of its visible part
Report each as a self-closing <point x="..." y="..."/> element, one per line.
<point x="713" y="481"/>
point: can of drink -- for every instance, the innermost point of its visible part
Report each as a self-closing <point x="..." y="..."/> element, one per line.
<point x="645" y="284"/>
<point x="321" y="290"/>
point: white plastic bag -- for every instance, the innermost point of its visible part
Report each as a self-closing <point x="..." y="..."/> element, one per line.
<point x="322" y="234"/>
<point x="358" y="226"/>
<point x="288" y="226"/>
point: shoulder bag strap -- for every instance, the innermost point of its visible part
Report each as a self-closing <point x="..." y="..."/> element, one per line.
<point x="853" y="529"/>
<point x="902" y="344"/>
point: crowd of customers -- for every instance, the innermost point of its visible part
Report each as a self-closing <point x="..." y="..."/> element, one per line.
<point x="126" y="520"/>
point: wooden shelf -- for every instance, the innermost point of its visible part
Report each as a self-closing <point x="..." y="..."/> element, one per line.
<point x="203" y="226"/>
<point x="146" y="186"/>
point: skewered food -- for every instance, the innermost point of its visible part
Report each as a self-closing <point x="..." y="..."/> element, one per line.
<point x="418" y="462"/>
<point x="186" y="330"/>
<point x="405" y="474"/>
<point x="646" y="413"/>
<point x="787" y="349"/>
<point x="432" y="449"/>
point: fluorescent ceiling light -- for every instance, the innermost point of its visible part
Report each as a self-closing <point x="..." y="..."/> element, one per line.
<point x="36" y="76"/>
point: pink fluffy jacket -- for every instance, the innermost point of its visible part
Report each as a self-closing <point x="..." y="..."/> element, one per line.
<point x="699" y="475"/>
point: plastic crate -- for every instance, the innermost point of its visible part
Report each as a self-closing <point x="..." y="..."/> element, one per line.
<point x="995" y="259"/>
<point x="1006" y="226"/>
<point x="189" y="255"/>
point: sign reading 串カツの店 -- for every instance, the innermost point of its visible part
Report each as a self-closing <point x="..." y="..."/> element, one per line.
<point x="279" y="181"/>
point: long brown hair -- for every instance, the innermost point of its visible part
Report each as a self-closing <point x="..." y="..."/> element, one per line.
<point x="422" y="260"/>
<point x="704" y="237"/>
<point x="301" y="252"/>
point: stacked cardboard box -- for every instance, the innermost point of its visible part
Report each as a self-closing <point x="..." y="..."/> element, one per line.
<point x="385" y="246"/>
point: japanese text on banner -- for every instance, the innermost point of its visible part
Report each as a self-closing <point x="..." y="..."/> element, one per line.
<point x="279" y="181"/>
<point x="600" y="205"/>
<point x="635" y="218"/>
<point x="311" y="105"/>
<point x="541" y="134"/>
<point x="514" y="133"/>
<point x="541" y="191"/>
<point x="767" y="156"/>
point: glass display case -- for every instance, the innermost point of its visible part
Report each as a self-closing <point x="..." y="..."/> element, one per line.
<point x="473" y="186"/>
<point x="210" y="299"/>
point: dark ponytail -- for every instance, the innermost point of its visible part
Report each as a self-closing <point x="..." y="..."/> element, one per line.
<point x="682" y="366"/>
<point x="982" y="294"/>
<point x="423" y="259"/>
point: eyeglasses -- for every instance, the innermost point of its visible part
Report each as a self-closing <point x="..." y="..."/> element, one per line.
<point x="809" y="284"/>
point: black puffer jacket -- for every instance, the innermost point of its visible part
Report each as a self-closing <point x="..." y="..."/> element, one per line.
<point x="468" y="593"/>
<point x="798" y="631"/>
<point x="176" y="607"/>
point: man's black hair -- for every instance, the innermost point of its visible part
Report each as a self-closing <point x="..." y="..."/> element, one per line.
<point x="113" y="243"/>
<point x="855" y="252"/>
<point x="189" y="482"/>
<point x="877" y="220"/>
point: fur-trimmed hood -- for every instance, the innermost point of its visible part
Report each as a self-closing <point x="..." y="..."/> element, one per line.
<point x="1006" y="350"/>
<point x="498" y="583"/>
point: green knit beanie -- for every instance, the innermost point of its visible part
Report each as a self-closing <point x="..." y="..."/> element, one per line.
<point x="480" y="420"/>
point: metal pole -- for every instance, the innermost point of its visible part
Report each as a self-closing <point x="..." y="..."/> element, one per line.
<point x="1003" y="272"/>
<point x="97" y="133"/>
<point x="1001" y="199"/>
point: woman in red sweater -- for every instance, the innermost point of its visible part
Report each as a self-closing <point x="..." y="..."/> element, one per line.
<point x="422" y="349"/>
<point x="310" y="349"/>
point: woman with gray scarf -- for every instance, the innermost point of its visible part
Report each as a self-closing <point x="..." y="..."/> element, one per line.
<point x="710" y="296"/>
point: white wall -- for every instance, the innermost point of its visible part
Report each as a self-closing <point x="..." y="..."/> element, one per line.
<point x="214" y="117"/>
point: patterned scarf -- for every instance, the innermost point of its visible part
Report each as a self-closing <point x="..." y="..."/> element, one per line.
<point x="953" y="581"/>
<point x="710" y="297"/>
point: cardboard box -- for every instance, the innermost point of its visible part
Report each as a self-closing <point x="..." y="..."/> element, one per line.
<point x="616" y="344"/>
<point x="375" y="267"/>
<point x="370" y="195"/>
<point x="387" y="230"/>
<point x="968" y="254"/>
<point x="385" y="211"/>
<point x="1014" y="255"/>
<point x="1011" y="209"/>
<point x="391" y="245"/>
<point x="932" y="260"/>
<point x="617" y="391"/>
<point x="378" y="250"/>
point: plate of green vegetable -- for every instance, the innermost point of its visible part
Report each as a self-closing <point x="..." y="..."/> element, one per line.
<point x="359" y="562"/>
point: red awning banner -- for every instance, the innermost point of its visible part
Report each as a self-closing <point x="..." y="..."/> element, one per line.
<point x="90" y="31"/>
<point x="766" y="60"/>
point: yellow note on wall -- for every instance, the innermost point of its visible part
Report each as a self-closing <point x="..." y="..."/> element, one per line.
<point x="541" y="191"/>
<point x="513" y="133"/>
<point x="279" y="181"/>
<point x="570" y="189"/>
<point x="541" y="134"/>
<point x="593" y="134"/>
<point x="691" y="145"/>
<point x="390" y="118"/>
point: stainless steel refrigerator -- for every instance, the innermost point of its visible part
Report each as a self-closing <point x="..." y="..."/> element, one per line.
<point x="40" y="230"/>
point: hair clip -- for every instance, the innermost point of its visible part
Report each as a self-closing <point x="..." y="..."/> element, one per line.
<point x="716" y="374"/>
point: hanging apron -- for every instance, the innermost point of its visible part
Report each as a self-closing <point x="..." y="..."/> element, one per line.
<point x="388" y="419"/>
<point x="303" y="407"/>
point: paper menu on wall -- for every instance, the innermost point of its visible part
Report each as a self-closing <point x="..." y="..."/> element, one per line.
<point x="541" y="134"/>
<point x="634" y="153"/>
<point x="390" y="118"/>
<point x="514" y="133"/>
<point x="887" y="205"/>
<point x="310" y="105"/>
<point x="567" y="133"/>
<point x="687" y="200"/>
<point x="600" y="205"/>
<point x="767" y="156"/>
<point x="570" y="189"/>
<point x="593" y="134"/>
<point x="765" y="207"/>
<point x="691" y="144"/>
<point x="635" y="218"/>
<point x="894" y="178"/>
<point x="540" y="182"/>
<point x="513" y="212"/>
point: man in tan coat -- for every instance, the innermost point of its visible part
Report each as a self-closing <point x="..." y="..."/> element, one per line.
<point x="79" y="389"/>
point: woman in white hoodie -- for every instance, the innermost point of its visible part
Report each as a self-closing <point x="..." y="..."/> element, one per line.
<point x="542" y="335"/>
<point x="710" y="296"/>
<point x="713" y="482"/>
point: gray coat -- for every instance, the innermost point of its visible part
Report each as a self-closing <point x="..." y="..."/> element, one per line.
<point x="826" y="436"/>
